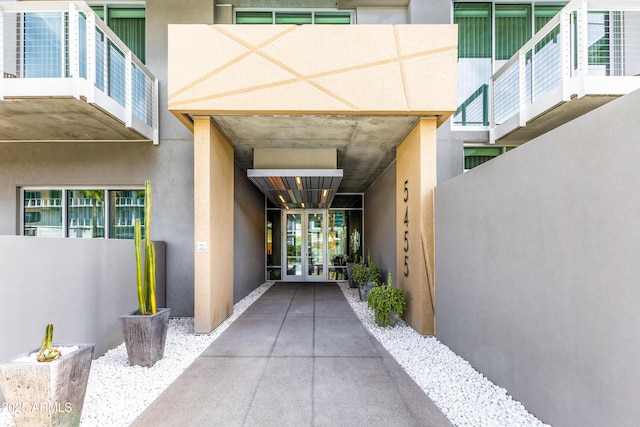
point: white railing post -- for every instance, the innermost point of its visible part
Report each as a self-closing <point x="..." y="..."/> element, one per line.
<point x="74" y="48"/>
<point x="492" y="111"/>
<point x="128" y="90"/>
<point x="582" y="38"/>
<point x="522" y="95"/>
<point x="565" y="54"/>
<point x="91" y="58"/>
<point x="155" y="124"/>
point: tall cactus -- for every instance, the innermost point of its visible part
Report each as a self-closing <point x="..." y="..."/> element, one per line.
<point x="146" y="283"/>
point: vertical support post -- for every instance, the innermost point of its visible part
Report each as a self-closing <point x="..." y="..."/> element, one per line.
<point x="74" y="49"/>
<point x="522" y="90"/>
<point x="582" y="37"/>
<point x="154" y="112"/>
<point x="128" y="89"/>
<point x="566" y="53"/>
<point x="416" y="179"/>
<point x="91" y="57"/>
<point x="213" y="225"/>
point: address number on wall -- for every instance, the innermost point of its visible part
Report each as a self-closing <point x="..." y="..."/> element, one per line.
<point x="406" y="231"/>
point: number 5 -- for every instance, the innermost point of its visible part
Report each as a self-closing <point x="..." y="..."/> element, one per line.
<point x="406" y="266"/>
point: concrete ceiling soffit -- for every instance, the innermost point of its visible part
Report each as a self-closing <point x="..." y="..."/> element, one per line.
<point x="383" y="69"/>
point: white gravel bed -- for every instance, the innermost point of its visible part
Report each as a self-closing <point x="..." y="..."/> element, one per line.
<point x="464" y="395"/>
<point x="117" y="393"/>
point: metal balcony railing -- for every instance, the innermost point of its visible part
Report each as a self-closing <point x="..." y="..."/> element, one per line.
<point x="589" y="48"/>
<point x="52" y="48"/>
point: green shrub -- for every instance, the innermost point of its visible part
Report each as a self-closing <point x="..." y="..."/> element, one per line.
<point x="384" y="298"/>
<point x="360" y="274"/>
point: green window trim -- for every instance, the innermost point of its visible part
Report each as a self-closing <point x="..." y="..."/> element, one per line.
<point x="332" y="18"/>
<point x="295" y="18"/>
<point x="292" y="17"/>
<point x="475" y="156"/>
<point x="248" y="17"/>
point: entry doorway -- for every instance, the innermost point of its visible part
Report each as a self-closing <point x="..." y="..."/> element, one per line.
<point x="305" y="248"/>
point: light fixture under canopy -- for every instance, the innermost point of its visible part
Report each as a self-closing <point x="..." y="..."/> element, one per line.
<point x="298" y="188"/>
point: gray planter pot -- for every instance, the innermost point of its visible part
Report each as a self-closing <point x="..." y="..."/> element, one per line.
<point x="393" y="319"/>
<point x="47" y="393"/>
<point x="352" y="284"/>
<point x="364" y="291"/>
<point x="145" y="336"/>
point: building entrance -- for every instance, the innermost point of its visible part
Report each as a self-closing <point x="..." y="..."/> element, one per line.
<point x="305" y="249"/>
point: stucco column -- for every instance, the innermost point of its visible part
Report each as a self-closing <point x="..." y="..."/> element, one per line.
<point x="213" y="227"/>
<point x="416" y="178"/>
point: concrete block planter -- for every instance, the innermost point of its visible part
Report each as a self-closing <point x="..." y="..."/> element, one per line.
<point x="47" y="393"/>
<point x="145" y="336"/>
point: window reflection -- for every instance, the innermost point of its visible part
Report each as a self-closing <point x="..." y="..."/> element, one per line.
<point x="85" y="215"/>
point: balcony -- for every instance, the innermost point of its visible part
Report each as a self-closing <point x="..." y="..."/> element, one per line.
<point x="67" y="77"/>
<point x="586" y="56"/>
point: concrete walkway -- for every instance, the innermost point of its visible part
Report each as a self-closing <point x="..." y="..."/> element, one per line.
<point x="298" y="356"/>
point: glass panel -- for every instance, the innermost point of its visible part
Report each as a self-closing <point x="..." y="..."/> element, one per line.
<point x="347" y="201"/>
<point x="82" y="44"/>
<point x="354" y="235"/>
<point x="476" y="156"/>
<point x="43" y="44"/>
<point x="315" y="244"/>
<point x="254" y="18"/>
<point x="544" y="14"/>
<point x="337" y="238"/>
<point x="98" y="10"/>
<point x="116" y="74"/>
<point x="85" y="214"/>
<point x="43" y="213"/>
<point x="274" y="274"/>
<point x="474" y="29"/>
<point x="100" y="60"/>
<point x="331" y="18"/>
<point x="513" y="29"/>
<point x="274" y="237"/>
<point x="129" y="26"/>
<point x="293" y="18"/>
<point x="124" y="208"/>
<point x="294" y="244"/>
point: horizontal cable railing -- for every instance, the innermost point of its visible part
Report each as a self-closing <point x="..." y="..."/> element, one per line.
<point x="586" y="39"/>
<point x="475" y="109"/>
<point x="68" y="40"/>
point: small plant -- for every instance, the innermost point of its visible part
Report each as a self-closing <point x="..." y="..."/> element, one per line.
<point x="360" y="274"/>
<point x="47" y="353"/>
<point x="146" y="281"/>
<point x="383" y="299"/>
<point x="375" y="274"/>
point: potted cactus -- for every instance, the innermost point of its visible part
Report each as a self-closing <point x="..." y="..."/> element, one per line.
<point x="47" y="387"/>
<point x="145" y="329"/>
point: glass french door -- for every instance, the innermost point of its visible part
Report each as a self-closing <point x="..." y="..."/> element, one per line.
<point x="305" y="251"/>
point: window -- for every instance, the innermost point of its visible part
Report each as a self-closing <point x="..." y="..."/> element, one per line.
<point x="474" y="29"/>
<point x="513" y="29"/>
<point x="475" y="156"/>
<point x="128" y="22"/>
<point x="81" y="212"/>
<point x="295" y="17"/>
<point x="544" y="14"/>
